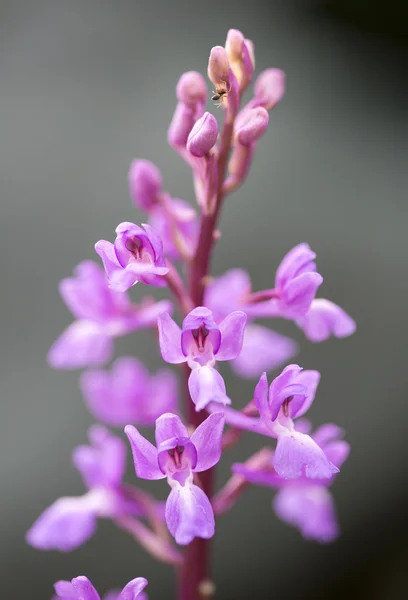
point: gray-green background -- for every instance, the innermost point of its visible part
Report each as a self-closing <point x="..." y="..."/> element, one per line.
<point x="86" y="86"/>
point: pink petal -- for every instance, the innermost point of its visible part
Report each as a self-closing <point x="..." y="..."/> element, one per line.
<point x="207" y="439"/>
<point x="261" y="396"/>
<point x="63" y="526"/>
<point x="169" y="426"/>
<point x="132" y="590"/>
<point x="297" y="453"/>
<point x="232" y="335"/>
<point x="324" y="319"/>
<point x="104" y="462"/>
<point x="170" y="339"/>
<point x="85" y="589"/>
<point x="298" y="294"/>
<point x="82" y="344"/>
<point x="226" y="292"/>
<point x="296" y="261"/>
<point x="310" y="508"/>
<point x="144" y="455"/>
<point x="299" y="405"/>
<point x="262" y="350"/>
<point x="207" y="385"/>
<point x="189" y="514"/>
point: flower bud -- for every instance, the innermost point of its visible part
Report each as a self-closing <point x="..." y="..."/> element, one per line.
<point x="233" y="45"/>
<point x="203" y="135"/>
<point x="181" y="125"/>
<point x="270" y="87"/>
<point x="252" y="124"/>
<point x="218" y="66"/>
<point x="191" y="88"/>
<point x="240" y="53"/>
<point x="145" y="183"/>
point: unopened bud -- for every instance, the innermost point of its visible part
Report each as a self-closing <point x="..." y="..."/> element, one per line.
<point x="181" y="124"/>
<point x="191" y="88"/>
<point x="145" y="183"/>
<point x="240" y="54"/>
<point x="270" y="87"/>
<point x="233" y="45"/>
<point x="218" y="65"/>
<point x="251" y="125"/>
<point x="203" y="136"/>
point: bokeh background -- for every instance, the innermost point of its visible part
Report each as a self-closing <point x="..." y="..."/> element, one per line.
<point x="88" y="85"/>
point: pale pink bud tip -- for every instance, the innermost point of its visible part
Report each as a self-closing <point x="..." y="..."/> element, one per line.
<point x="252" y="125"/>
<point x="145" y="183"/>
<point x="218" y="65"/>
<point x="203" y="135"/>
<point x="270" y="87"/>
<point x="191" y="88"/>
<point x="233" y="44"/>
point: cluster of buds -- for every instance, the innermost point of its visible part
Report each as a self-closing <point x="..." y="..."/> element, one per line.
<point x="218" y="318"/>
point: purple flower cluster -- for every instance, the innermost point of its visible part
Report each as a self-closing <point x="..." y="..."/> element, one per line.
<point x="218" y="323"/>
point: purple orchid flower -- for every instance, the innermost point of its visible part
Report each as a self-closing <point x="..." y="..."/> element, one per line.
<point x="290" y="395"/>
<point x="136" y="255"/>
<point x="200" y="343"/>
<point x="71" y="521"/>
<point x="296" y="283"/>
<point x="101" y="314"/>
<point x="128" y="393"/>
<point x="178" y="456"/>
<point x="305" y="503"/>
<point x="292" y="298"/>
<point x="80" y="588"/>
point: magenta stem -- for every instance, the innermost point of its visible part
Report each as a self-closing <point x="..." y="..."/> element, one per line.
<point x="195" y="572"/>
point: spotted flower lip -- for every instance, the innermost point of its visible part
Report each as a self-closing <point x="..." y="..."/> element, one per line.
<point x="71" y="521"/>
<point x="177" y="455"/>
<point x="101" y="315"/>
<point x="81" y="588"/>
<point x="201" y="343"/>
<point x="136" y="255"/>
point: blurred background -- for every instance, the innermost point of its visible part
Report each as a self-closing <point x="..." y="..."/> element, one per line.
<point x="88" y="85"/>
